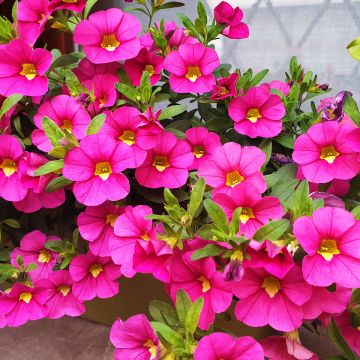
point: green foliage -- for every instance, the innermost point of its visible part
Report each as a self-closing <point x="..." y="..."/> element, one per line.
<point x="96" y="124"/>
<point x="272" y="231"/>
<point x="49" y="167"/>
<point x="337" y="338"/>
<point x="354" y="49"/>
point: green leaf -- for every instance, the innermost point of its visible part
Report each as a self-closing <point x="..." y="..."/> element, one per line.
<point x="285" y="140"/>
<point x="8" y="103"/>
<point x="171" y="336"/>
<point x="338" y="339"/>
<point x="196" y="197"/>
<point x="272" y="230"/>
<point x="64" y="60"/>
<point x="55" y="245"/>
<point x="207" y="251"/>
<point x="235" y="222"/>
<point x="271" y="180"/>
<point x="58" y="152"/>
<point x="171" y="5"/>
<point x="284" y="187"/>
<point x="187" y="23"/>
<point x="351" y="109"/>
<point x="12" y="223"/>
<point x="266" y="147"/>
<point x="128" y="91"/>
<point x="356" y="212"/>
<point x="14" y="11"/>
<point x="88" y="7"/>
<point x="170" y="199"/>
<point x="183" y="304"/>
<point x="49" y="167"/>
<point x="193" y="315"/>
<point x="258" y="77"/>
<point x="30" y="267"/>
<point x="72" y="83"/>
<point x="302" y="203"/>
<point x="171" y="111"/>
<point x="216" y="214"/>
<point x="52" y="131"/>
<point x="96" y="124"/>
<point x="202" y="12"/>
<point x="57" y="183"/>
<point x="354" y="49"/>
<point x="163" y="312"/>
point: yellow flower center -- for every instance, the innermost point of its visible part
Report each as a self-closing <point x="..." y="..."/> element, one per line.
<point x="102" y="100"/>
<point x="111" y="218"/>
<point x="329" y="154"/>
<point x="246" y="214"/>
<point x="199" y="151"/>
<point x="127" y="137"/>
<point x="145" y="236"/>
<point x="152" y="348"/>
<point x="160" y="163"/>
<point x="233" y="178"/>
<point x="193" y="73"/>
<point x="103" y="169"/>
<point x="109" y="42"/>
<point x="95" y="270"/>
<point x="8" y="166"/>
<point x="70" y="1"/>
<point x="29" y="71"/>
<point x="328" y="249"/>
<point x="44" y="256"/>
<point x="271" y="286"/>
<point x="293" y="335"/>
<point x="253" y="115"/>
<point x="150" y="69"/>
<point x="66" y="125"/>
<point x="224" y="90"/>
<point x="64" y="289"/>
<point x="205" y="283"/>
<point x="25" y="297"/>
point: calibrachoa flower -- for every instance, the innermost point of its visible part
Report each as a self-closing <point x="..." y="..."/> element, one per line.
<point x="22" y="69"/>
<point x="350" y="332"/>
<point x="109" y="35"/>
<point x="257" y="113"/>
<point x="225" y="87"/>
<point x="232" y="164"/>
<point x="331" y="239"/>
<point x="166" y="164"/>
<point x="149" y="129"/>
<point x="86" y="70"/>
<point x="94" y="276"/>
<point x="266" y="299"/>
<point x="325" y="153"/>
<point x="278" y="85"/>
<point x="333" y="108"/>
<point x="134" y="339"/>
<point x="224" y="346"/>
<point x="191" y="68"/>
<point x="96" y="167"/>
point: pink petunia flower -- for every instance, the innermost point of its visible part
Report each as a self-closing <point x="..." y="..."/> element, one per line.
<point x="278" y="85"/>
<point x="191" y="68"/>
<point x="96" y="225"/>
<point x="232" y="164"/>
<point x="325" y="153"/>
<point x="257" y="113"/>
<point x="22" y="69"/>
<point x="225" y="87"/>
<point x="331" y="239"/>
<point x="266" y="299"/>
<point x="23" y="303"/>
<point x="225" y="14"/>
<point x="134" y="339"/>
<point x="60" y="300"/>
<point x="96" y="167"/>
<point x="109" y="36"/>
<point x="72" y="5"/>
<point x="200" y="279"/>
<point x="144" y="61"/>
<point x="224" y="346"/>
<point x="166" y="164"/>
<point x="94" y="276"/>
<point x="256" y="210"/>
<point x="203" y="144"/>
<point x="350" y="333"/>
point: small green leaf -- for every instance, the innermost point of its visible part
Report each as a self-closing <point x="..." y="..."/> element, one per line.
<point x="128" y="91"/>
<point x="73" y="83"/>
<point x="193" y="315"/>
<point x="356" y="212"/>
<point x="88" y="7"/>
<point x="202" y="12"/>
<point x="207" y="251"/>
<point x="302" y="203"/>
<point x="57" y="183"/>
<point x="196" y="197"/>
<point x="235" y="222"/>
<point x="170" y="199"/>
<point x="171" y="111"/>
<point x="183" y="304"/>
<point x="12" y="223"/>
<point x="216" y="214"/>
<point x="96" y="124"/>
<point x="49" y="167"/>
<point x="351" y="109"/>
<point x="64" y="60"/>
<point x="52" y="131"/>
<point x="30" y="267"/>
<point x="163" y="312"/>
<point x="58" y="152"/>
<point x="14" y="11"/>
<point x="272" y="230"/>
<point x="8" y="103"/>
<point x="285" y="140"/>
<point x="338" y="339"/>
<point x="171" y="5"/>
<point x="266" y="146"/>
<point x="354" y="49"/>
<point x="171" y="336"/>
<point x="258" y="77"/>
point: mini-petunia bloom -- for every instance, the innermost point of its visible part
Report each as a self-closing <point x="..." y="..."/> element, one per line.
<point x="234" y="28"/>
<point x="60" y="300"/>
<point x="72" y="5"/>
<point x="11" y="168"/>
<point x="233" y="164"/>
<point x="257" y="113"/>
<point x="108" y="36"/>
<point x="166" y="164"/>
<point x="203" y="143"/>
<point x="256" y="210"/>
<point x="191" y="68"/>
<point x="96" y="225"/>
<point x="123" y="125"/>
<point x="200" y="279"/>
<point x="267" y="300"/>
<point x="94" y="276"/>
<point x="325" y="153"/>
<point x="144" y="61"/>
<point x="278" y="85"/>
<point x="134" y="338"/>
<point x="22" y="69"/>
<point x="333" y="108"/>
<point x="225" y="87"/>
<point x="349" y="331"/>
<point x="96" y="167"/>
<point x="65" y="112"/>
<point x="224" y="346"/>
<point x="23" y="303"/>
<point x="331" y="239"/>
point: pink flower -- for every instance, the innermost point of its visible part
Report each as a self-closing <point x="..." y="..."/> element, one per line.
<point x="109" y="36"/>
<point x="203" y="144"/>
<point x="96" y="167"/>
<point x="96" y="225"/>
<point x="67" y="113"/>
<point x="225" y="14"/>
<point x="94" y="276"/>
<point x="331" y="239"/>
<point x="191" y="68"/>
<point x="123" y="125"/>
<point x="144" y="61"/>
<point x="60" y="300"/>
<point x="72" y="5"/>
<point x="149" y="129"/>
<point x="86" y="70"/>
<point x="350" y="333"/>
<point x="257" y="113"/>
<point x="225" y="87"/>
<point x="11" y="168"/>
<point x="166" y="164"/>
<point x="325" y="153"/>
<point x="256" y="210"/>
<point x="232" y="164"/>
<point x="22" y="69"/>
<point x="278" y="85"/>
<point x="200" y="279"/>
<point x="266" y="299"/>
<point x="23" y="303"/>
<point x="224" y="346"/>
<point x="134" y="339"/>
